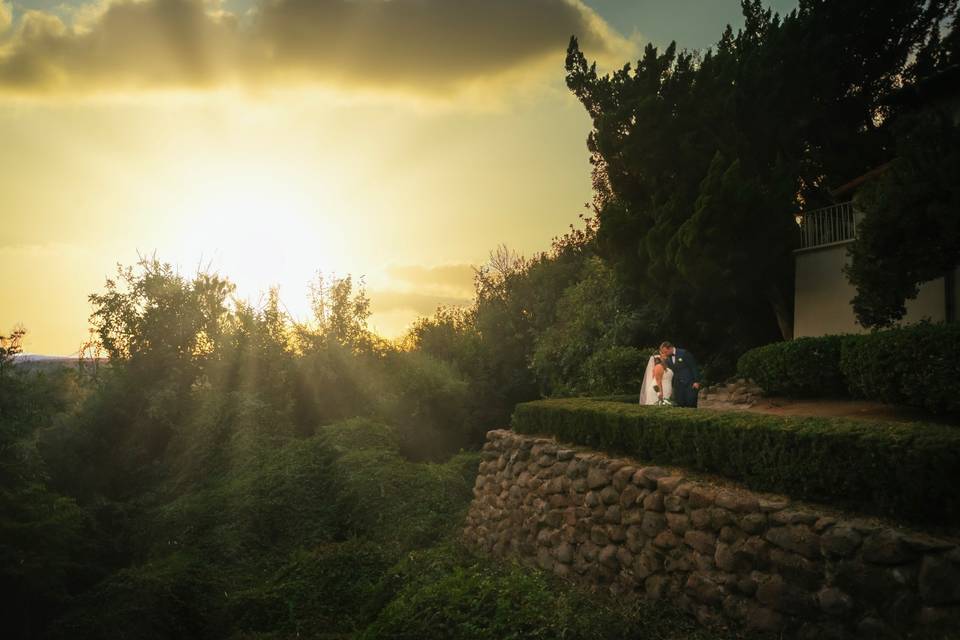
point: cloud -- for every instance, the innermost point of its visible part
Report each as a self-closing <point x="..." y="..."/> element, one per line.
<point x="6" y="16"/>
<point x="451" y="278"/>
<point x="385" y="301"/>
<point x="152" y="44"/>
<point x="423" y="42"/>
<point x="425" y="46"/>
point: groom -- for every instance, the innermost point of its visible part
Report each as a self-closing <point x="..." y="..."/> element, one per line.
<point x="686" y="375"/>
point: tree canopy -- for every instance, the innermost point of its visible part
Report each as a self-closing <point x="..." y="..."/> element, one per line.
<point x="703" y="160"/>
<point x="910" y="233"/>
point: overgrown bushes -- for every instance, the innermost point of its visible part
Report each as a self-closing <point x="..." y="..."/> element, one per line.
<point x="338" y="536"/>
<point x="291" y="542"/>
<point x="449" y="592"/>
<point x="616" y="369"/>
<point x="906" y="470"/>
<point x="917" y="366"/>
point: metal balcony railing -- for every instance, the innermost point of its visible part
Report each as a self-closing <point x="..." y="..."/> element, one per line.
<point x="830" y="225"/>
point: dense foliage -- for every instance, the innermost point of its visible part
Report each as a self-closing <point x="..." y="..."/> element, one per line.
<point x="553" y="324"/>
<point x="231" y="473"/>
<point x="910" y="231"/>
<point x="905" y="470"/>
<point x="456" y="596"/>
<point x="915" y="366"/>
<point x="293" y="542"/>
<point x="50" y="546"/>
<point x="587" y="349"/>
<point x="701" y="161"/>
<point x="797" y="368"/>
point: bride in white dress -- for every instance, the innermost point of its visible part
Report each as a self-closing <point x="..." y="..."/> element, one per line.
<point x="657" y="386"/>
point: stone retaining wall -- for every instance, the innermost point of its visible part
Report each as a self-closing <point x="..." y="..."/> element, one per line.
<point x="728" y="555"/>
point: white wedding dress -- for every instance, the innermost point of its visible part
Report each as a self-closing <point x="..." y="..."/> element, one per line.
<point x="648" y="395"/>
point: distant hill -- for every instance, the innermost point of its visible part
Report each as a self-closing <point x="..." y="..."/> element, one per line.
<point x="40" y="362"/>
<point x="36" y="357"/>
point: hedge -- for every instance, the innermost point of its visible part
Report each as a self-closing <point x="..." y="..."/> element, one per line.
<point x="916" y="366"/>
<point x="909" y="471"/>
<point x="801" y="367"/>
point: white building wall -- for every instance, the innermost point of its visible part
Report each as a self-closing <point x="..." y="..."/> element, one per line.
<point x="823" y="294"/>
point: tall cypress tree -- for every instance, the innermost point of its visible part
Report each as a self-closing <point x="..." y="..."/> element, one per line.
<point x="702" y="161"/>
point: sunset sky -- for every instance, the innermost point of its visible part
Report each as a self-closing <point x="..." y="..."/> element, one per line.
<point x="398" y="140"/>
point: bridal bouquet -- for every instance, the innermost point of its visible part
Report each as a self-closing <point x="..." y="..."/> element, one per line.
<point x="662" y="402"/>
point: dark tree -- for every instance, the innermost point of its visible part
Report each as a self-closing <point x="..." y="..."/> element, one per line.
<point x="701" y="162"/>
<point x="911" y="230"/>
<point x="10" y="346"/>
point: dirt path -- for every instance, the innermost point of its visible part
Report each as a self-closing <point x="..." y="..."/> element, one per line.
<point x="856" y="409"/>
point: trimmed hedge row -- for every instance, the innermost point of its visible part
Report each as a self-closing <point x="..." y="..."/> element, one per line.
<point x="800" y="367"/>
<point x="909" y="471"/>
<point x="916" y="366"/>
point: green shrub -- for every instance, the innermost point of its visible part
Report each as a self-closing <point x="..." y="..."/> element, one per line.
<point x="427" y="401"/>
<point x="917" y="366"/>
<point x="279" y="501"/>
<point x="906" y="470"/>
<point x="585" y="349"/>
<point x="178" y="596"/>
<point x="616" y="369"/>
<point x="320" y="591"/>
<point x="402" y="504"/>
<point x="448" y="592"/>
<point x="292" y="542"/>
<point x="800" y="367"/>
<point x="347" y="481"/>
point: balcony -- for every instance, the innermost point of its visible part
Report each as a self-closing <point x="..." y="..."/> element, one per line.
<point x="833" y="225"/>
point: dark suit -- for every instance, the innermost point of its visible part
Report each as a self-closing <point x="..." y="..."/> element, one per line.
<point x="685" y="373"/>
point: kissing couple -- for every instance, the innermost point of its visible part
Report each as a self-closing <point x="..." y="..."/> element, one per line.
<point x="672" y="378"/>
